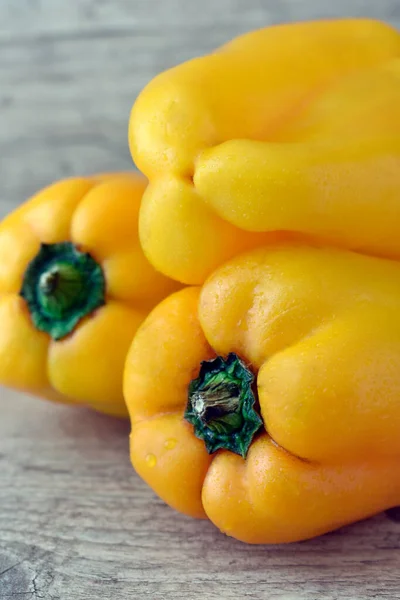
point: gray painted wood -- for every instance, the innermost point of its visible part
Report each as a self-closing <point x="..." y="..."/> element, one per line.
<point x="75" y="522"/>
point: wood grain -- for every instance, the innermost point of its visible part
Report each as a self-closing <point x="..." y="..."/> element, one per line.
<point x="75" y="522"/>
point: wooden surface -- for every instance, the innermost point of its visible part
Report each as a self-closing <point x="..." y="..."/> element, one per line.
<point x="75" y="521"/>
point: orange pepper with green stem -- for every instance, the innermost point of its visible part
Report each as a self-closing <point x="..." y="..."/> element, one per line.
<point x="268" y="400"/>
<point x="290" y="132"/>
<point x="74" y="287"/>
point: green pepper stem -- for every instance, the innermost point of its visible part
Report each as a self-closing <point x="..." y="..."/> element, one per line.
<point x="61" y="286"/>
<point x="221" y="405"/>
<point x="217" y="400"/>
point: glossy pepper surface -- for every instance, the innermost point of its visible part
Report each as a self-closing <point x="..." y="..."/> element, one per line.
<point x="74" y="287"/>
<point x="268" y="400"/>
<point x="291" y="132"/>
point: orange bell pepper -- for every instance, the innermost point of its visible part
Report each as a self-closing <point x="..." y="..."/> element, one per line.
<point x="268" y="400"/>
<point x="74" y="287"/>
<point x="290" y="132"/>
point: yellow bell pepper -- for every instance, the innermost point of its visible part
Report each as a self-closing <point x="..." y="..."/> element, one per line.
<point x="268" y="400"/>
<point x="74" y="287"/>
<point x="291" y="132"/>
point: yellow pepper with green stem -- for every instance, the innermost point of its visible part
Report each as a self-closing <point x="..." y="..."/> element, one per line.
<point x="268" y="400"/>
<point x="74" y="287"/>
<point x="287" y="133"/>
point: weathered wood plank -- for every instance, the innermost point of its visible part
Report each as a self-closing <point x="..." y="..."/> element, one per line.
<point x="77" y="523"/>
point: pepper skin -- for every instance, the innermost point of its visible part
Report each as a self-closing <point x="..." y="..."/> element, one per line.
<point x="319" y="330"/>
<point x="290" y="132"/>
<point x="74" y="287"/>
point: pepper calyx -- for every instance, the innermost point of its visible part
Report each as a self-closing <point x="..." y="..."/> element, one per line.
<point x="61" y="286"/>
<point x="221" y="405"/>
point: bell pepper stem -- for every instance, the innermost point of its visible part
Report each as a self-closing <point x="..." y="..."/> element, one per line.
<point x="61" y="286"/>
<point x="221" y="405"/>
